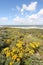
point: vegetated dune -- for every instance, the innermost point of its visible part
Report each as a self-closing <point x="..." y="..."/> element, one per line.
<point x="21" y="46"/>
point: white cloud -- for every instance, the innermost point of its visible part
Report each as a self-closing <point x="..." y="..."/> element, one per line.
<point x="30" y="20"/>
<point x="18" y="20"/>
<point x="3" y="19"/>
<point x="41" y="12"/>
<point x="34" y="16"/>
<point x="18" y="8"/>
<point x="30" y="7"/>
<point x="22" y="21"/>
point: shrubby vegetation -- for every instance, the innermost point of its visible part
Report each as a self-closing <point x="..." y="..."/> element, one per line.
<point x="21" y="46"/>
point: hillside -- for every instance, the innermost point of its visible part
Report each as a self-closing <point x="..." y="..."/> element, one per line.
<point x="21" y="46"/>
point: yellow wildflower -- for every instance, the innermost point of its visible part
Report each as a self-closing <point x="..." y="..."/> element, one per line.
<point x="14" y="57"/>
<point x="7" y="54"/>
<point x="18" y="59"/>
<point x="6" y="49"/>
<point x="12" y="53"/>
<point x="36" y="44"/>
<point x="11" y="63"/>
<point x="19" y="45"/>
<point x="14" y="49"/>
<point x="32" y="45"/>
<point x="20" y="54"/>
<point x="31" y="52"/>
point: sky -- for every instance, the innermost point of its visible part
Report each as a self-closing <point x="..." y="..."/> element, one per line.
<point x="21" y="12"/>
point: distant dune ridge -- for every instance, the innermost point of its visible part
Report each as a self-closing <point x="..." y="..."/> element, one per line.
<point x="24" y="26"/>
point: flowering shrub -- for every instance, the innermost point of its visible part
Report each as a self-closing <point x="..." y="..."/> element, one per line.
<point x="19" y="48"/>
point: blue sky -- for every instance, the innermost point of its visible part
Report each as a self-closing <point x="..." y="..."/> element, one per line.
<point x="21" y="12"/>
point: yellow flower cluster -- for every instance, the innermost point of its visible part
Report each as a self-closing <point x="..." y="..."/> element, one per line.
<point x="20" y="54"/>
<point x="21" y="49"/>
<point x="11" y="63"/>
<point x="14" y="49"/>
<point x="19" y="44"/>
<point x="14" y="57"/>
<point x="35" y="44"/>
<point x="31" y="52"/>
<point x="6" y="49"/>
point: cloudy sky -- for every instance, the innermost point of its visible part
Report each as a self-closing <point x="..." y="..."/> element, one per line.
<point x="21" y="12"/>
